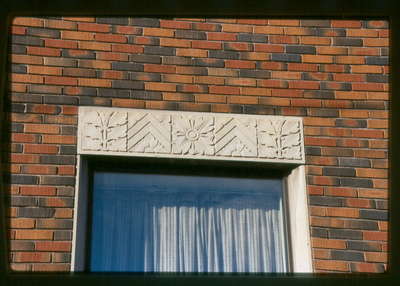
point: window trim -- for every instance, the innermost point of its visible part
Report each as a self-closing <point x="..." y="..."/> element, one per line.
<point x="296" y="195"/>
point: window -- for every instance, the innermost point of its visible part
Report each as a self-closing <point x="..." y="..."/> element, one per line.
<point x="241" y="208"/>
<point x="174" y="223"/>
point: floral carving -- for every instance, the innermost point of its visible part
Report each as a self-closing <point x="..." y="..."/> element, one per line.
<point x="138" y="132"/>
<point x="193" y="135"/>
<point x="279" y="139"/>
<point x="105" y="131"/>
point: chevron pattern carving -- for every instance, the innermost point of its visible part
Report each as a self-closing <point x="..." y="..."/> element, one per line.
<point x="149" y="133"/>
<point x="235" y="137"/>
<point x="138" y="132"/>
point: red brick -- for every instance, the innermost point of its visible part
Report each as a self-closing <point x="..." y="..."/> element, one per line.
<point x="32" y="257"/>
<point x="209" y="79"/>
<point x="66" y="170"/>
<point x="286" y="75"/>
<point x="94" y="27"/>
<point x="28" y="21"/>
<point x="242" y="99"/>
<point x="211" y="98"/>
<point x="280" y="39"/>
<point x="94" y="82"/>
<point x="346" y="23"/>
<point x="158" y="32"/>
<point x="268" y="30"/>
<point x="309" y="40"/>
<point x="112" y="56"/>
<point x="94" y="46"/>
<point x="376" y="42"/>
<point x="238" y="64"/>
<point x="350" y="60"/>
<point x="159" y="68"/>
<point x="358" y="203"/>
<point x="63" y="213"/>
<point x="59" y="139"/>
<point x="191" y="53"/>
<point x="175" y="43"/>
<point x="33" y="234"/>
<point x="26" y="78"/>
<point x="18" y="30"/>
<point x="252" y="21"/>
<point x="268" y="48"/>
<point x="60" y="24"/>
<point x="237" y="28"/>
<point x="160" y="86"/>
<point x="340" y="192"/>
<point x="80" y="19"/>
<point x="332" y="50"/>
<point x="126" y="48"/>
<point x="22" y="223"/>
<point x="44" y="70"/>
<point x="272" y="83"/>
<point x="60" y="80"/>
<point x="241" y="81"/>
<point x="302" y="67"/>
<point x="74" y="35"/>
<point x="328" y="243"/>
<point x="331" y="265"/>
<point x="217" y="36"/>
<point x="40" y="149"/>
<point x="287" y="92"/>
<point x="317" y="59"/>
<point x="283" y="22"/>
<point x="128" y="30"/>
<point x="206" y="45"/>
<point x="69" y="110"/>
<point x="175" y="24"/>
<point x="64" y="246"/>
<point x="224" y="89"/>
<point x="375" y="235"/>
<point x="300" y="31"/>
<point x="304" y="84"/>
<point x="110" y="38"/>
<point x="39" y="51"/>
<point x="25" y="59"/>
<point x="24" y="158"/>
<point x="205" y="26"/>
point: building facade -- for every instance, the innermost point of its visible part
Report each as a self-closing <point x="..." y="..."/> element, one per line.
<point x="333" y="74"/>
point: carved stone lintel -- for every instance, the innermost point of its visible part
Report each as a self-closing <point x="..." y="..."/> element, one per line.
<point x="138" y="132"/>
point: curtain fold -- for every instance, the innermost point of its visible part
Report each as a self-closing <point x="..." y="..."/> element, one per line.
<point x="153" y="230"/>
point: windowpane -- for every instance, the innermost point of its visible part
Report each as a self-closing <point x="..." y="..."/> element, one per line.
<point x="163" y="223"/>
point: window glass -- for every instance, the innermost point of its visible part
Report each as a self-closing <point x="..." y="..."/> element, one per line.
<point x="171" y="223"/>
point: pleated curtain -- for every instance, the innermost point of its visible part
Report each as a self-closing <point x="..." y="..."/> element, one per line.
<point x="154" y="226"/>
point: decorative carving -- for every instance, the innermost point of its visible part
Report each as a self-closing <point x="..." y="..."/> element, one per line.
<point x="279" y="139"/>
<point x="235" y="137"/>
<point x="190" y="135"/>
<point x="193" y="135"/>
<point x="105" y="131"/>
<point x="149" y="133"/>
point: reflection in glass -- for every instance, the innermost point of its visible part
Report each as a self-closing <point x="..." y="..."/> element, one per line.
<point x="168" y="223"/>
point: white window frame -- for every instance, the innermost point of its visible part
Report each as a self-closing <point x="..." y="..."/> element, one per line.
<point x="169" y="134"/>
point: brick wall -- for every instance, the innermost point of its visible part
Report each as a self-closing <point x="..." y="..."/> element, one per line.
<point x="334" y="74"/>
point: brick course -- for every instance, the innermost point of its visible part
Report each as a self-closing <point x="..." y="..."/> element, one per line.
<point x="334" y="74"/>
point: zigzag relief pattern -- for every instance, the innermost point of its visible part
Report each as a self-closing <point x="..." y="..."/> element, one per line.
<point x="149" y="133"/>
<point x="235" y="137"/>
<point x="191" y="134"/>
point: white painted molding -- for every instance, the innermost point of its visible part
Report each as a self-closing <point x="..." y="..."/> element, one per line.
<point x="181" y="134"/>
<point x="299" y="227"/>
